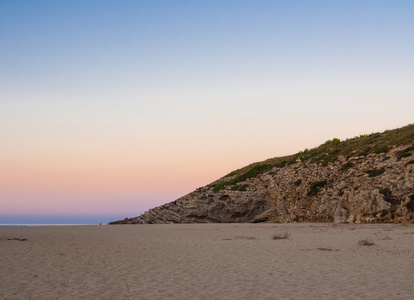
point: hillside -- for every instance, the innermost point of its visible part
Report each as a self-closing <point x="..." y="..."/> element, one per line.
<point x="369" y="178"/>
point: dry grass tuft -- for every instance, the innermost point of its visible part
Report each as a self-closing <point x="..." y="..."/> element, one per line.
<point x="327" y="249"/>
<point x="365" y="242"/>
<point x="243" y="237"/>
<point x="281" y="236"/>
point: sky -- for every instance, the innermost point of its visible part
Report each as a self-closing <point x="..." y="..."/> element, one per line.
<point x="110" y="108"/>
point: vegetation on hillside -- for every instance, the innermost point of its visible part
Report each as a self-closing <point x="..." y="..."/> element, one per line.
<point x="328" y="152"/>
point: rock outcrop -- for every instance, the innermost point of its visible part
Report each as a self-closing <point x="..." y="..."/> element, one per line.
<point x="372" y="188"/>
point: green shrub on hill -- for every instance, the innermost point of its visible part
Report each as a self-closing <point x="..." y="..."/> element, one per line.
<point x="314" y="187"/>
<point x="386" y="192"/>
<point x="252" y="172"/>
<point x="329" y="152"/>
<point x="381" y="149"/>
<point x="410" y="204"/>
<point x="242" y="187"/>
<point x="375" y="172"/>
<point x="347" y="166"/>
<point x="298" y="182"/>
<point x="405" y="153"/>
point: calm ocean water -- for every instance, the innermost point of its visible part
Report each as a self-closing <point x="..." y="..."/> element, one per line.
<point x="37" y="225"/>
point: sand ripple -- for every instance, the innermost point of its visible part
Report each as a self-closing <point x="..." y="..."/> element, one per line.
<point x="207" y="261"/>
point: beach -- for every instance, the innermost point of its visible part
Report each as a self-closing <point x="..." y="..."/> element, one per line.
<point x="208" y="261"/>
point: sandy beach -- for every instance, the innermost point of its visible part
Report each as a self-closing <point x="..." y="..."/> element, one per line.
<point x="208" y="261"/>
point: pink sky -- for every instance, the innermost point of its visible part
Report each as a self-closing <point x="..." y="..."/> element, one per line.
<point x="121" y="107"/>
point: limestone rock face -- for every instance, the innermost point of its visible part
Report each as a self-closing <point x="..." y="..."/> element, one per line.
<point x="376" y="188"/>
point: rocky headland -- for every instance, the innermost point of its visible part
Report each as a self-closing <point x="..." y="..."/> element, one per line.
<point x="365" y="179"/>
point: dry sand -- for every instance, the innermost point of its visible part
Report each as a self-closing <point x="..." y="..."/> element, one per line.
<point x="208" y="261"/>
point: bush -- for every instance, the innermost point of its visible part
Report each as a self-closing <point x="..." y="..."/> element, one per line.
<point x="364" y="153"/>
<point x="365" y="242"/>
<point x="387" y="195"/>
<point x="389" y="198"/>
<point x="386" y="192"/>
<point x="298" y="182"/>
<point x="382" y="149"/>
<point x="281" y="236"/>
<point x="347" y="166"/>
<point x="333" y="142"/>
<point x="314" y="188"/>
<point x="244" y="237"/>
<point x="242" y="187"/>
<point x="252" y="172"/>
<point x="410" y="204"/>
<point x="407" y="152"/>
<point x="231" y="174"/>
<point x="329" y="158"/>
<point x="219" y="186"/>
<point x="375" y="172"/>
<point x="282" y="164"/>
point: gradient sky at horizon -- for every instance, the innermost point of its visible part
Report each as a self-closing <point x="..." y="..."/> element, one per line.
<point x="109" y="108"/>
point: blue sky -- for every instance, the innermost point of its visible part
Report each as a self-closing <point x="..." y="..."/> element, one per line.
<point x="120" y="106"/>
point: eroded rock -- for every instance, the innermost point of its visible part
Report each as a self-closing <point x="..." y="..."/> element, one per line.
<point x="303" y="191"/>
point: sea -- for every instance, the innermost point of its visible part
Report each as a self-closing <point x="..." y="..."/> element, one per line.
<point x="37" y="225"/>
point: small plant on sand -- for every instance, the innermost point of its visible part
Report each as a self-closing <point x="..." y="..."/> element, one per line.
<point x="327" y="249"/>
<point x="281" y="236"/>
<point x="244" y="237"/>
<point x="365" y="242"/>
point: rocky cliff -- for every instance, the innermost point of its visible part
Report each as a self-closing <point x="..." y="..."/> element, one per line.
<point x="365" y="179"/>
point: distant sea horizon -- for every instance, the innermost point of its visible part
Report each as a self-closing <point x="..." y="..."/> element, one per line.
<point x="57" y="219"/>
<point x="39" y="225"/>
